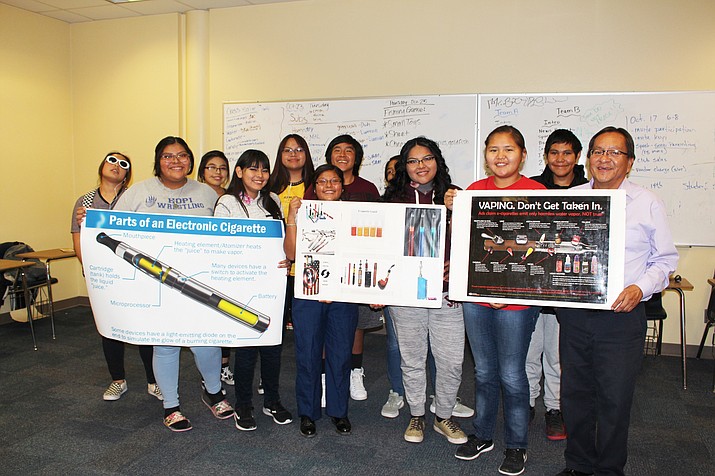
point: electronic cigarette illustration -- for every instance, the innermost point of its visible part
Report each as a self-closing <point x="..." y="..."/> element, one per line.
<point x="190" y="287"/>
<point x="421" y="285"/>
<point x="422" y="232"/>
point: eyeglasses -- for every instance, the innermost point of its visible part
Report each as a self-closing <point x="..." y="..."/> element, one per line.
<point x="122" y="163"/>
<point x="613" y="153"/>
<point x="181" y="157"/>
<point x="323" y="182"/>
<point x="424" y="160"/>
<point x="214" y="168"/>
<point x="297" y="150"/>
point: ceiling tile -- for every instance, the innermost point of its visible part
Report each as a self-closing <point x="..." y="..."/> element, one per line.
<point x="157" y="7"/>
<point x="29" y="5"/>
<point x="67" y="16"/>
<point x="105" y="13"/>
<point x="208" y="4"/>
<point x="72" y="4"/>
<point x="73" y="11"/>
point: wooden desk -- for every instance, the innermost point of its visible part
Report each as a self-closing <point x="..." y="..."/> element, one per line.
<point x="9" y="265"/>
<point x="47" y="256"/>
<point x="683" y="285"/>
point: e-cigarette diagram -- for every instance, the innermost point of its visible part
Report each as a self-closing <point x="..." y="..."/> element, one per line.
<point x="354" y="249"/>
<point x="187" y="286"/>
<point x="422" y="232"/>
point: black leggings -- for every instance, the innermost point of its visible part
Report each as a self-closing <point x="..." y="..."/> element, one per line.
<point x="114" y="355"/>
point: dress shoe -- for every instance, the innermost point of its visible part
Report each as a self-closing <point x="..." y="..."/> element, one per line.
<point x="342" y="425"/>
<point x="307" y="427"/>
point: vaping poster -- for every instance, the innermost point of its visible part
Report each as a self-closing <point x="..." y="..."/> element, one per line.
<point x="184" y="280"/>
<point x="543" y="247"/>
<point x="372" y="253"/>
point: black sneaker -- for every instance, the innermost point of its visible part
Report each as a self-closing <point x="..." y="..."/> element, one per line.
<point x="555" y="429"/>
<point x="473" y="448"/>
<point x="573" y="472"/>
<point x="279" y="413"/>
<point x="243" y="417"/>
<point x="514" y="459"/>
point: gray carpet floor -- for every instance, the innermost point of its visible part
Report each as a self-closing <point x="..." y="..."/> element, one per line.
<point x="53" y="420"/>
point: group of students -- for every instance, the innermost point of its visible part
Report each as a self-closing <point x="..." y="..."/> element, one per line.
<point x="509" y="342"/>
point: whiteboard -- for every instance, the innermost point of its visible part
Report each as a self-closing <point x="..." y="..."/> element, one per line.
<point x="674" y="135"/>
<point x="380" y="125"/>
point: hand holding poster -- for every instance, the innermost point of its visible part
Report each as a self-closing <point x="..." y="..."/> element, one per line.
<point x="539" y="247"/>
<point x="374" y="253"/>
<point x="184" y="280"/>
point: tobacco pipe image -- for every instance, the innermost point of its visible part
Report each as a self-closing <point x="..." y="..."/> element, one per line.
<point x="383" y="282"/>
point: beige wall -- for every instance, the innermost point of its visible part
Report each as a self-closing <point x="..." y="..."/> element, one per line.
<point x="128" y="87"/>
<point x="37" y="178"/>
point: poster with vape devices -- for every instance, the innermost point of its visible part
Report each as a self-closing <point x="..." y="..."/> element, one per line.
<point x="560" y="248"/>
<point x="373" y="253"/>
<point x="184" y="280"/>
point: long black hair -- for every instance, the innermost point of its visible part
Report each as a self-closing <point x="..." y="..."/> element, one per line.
<point x="280" y="177"/>
<point x="253" y="158"/>
<point x="397" y="189"/>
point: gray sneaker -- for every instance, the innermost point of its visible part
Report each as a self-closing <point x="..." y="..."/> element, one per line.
<point x="391" y="409"/>
<point x="460" y="410"/>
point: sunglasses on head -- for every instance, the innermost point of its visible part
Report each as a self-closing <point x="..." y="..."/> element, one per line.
<point x="122" y="163"/>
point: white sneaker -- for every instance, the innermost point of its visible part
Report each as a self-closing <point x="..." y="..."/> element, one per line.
<point x="460" y="410"/>
<point x="322" y="398"/>
<point x="391" y="409"/>
<point x="115" y="391"/>
<point x="357" y="387"/>
<point x="226" y="375"/>
<point x="154" y="390"/>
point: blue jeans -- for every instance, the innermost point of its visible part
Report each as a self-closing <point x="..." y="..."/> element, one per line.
<point x="499" y="340"/>
<point x="319" y="326"/>
<point x="394" y="372"/>
<point x="166" y="370"/>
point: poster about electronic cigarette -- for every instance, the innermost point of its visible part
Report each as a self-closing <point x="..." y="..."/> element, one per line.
<point x="184" y="280"/>
<point x="373" y="253"/>
<point x="562" y="248"/>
